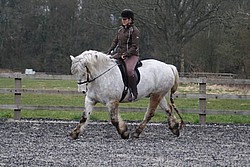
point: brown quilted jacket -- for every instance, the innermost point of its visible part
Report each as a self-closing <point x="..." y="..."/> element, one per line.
<point x="126" y="41"/>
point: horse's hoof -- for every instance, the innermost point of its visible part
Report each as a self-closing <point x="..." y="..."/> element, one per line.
<point x="175" y="129"/>
<point x="74" y="135"/>
<point x="176" y="132"/>
<point x="135" y="135"/>
<point x="125" y="135"/>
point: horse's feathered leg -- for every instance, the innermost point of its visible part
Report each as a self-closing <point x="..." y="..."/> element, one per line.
<point x="117" y="120"/>
<point x="174" y="126"/>
<point x="89" y="105"/>
<point x="154" y="101"/>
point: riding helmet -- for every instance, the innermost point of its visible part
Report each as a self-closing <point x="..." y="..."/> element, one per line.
<point x="127" y="13"/>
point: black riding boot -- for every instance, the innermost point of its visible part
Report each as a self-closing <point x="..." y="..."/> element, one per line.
<point x="133" y="88"/>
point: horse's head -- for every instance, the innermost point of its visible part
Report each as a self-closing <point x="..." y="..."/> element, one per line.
<point x="79" y="70"/>
<point x="88" y="65"/>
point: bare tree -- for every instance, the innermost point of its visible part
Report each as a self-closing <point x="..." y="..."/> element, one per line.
<point x="171" y="23"/>
<point x="201" y="33"/>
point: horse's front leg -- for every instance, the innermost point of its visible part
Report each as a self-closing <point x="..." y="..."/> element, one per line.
<point x="117" y="120"/>
<point x="89" y="105"/>
<point x="154" y="101"/>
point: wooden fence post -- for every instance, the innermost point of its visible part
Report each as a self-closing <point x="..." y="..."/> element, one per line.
<point x="202" y="100"/>
<point x="17" y="94"/>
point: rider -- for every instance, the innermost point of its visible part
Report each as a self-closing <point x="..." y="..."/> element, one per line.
<point x="125" y="45"/>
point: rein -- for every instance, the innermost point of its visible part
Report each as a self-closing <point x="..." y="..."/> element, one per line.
<point x="91" y="80"/>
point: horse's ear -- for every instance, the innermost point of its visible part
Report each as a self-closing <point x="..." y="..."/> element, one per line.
<point x="72" y="58"/>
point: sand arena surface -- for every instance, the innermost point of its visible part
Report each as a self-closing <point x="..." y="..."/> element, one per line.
<point x="45" y="143"/>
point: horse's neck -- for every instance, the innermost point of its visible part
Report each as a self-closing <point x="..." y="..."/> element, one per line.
<point x="100" y="68"/>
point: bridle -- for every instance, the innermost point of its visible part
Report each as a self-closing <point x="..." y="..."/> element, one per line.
<point x="91" y="80"/>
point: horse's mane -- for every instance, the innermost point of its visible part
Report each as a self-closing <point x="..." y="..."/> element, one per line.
<point x="91" y="58"/>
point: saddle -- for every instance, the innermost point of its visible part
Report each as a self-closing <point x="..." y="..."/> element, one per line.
<point x="123" y="70"/>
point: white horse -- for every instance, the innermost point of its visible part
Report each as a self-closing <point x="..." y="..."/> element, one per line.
<point x="99" y="76"/>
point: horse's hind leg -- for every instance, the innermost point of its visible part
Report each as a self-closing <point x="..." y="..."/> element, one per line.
<point x="116" y="119"/>
<point x="174" y="126"/>
<point x="154" y="101"/>
<point x="89" y="105"/>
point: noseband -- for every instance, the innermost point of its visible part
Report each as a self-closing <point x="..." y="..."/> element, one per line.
<point x="87" y="81"/>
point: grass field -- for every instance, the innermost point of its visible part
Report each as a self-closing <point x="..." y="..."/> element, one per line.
<point x="77" y="100"/>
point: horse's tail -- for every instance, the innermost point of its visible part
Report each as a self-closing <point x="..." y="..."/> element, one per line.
<point x="173" y="90"/>
<point x="176" y="80"/>
<point x="175" y="86"/>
